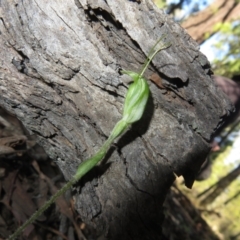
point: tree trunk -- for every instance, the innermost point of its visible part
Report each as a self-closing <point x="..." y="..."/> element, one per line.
<point x="60" y="76"/>
<point x="235" y="196"/>
<point x="204" y="23"/>
<point x="215" y="190"/>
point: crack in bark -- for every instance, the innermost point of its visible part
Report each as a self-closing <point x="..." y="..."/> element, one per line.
<point x="126" y="173"/>
<point x="161" y="155"/>
<point x="65" y="22"/>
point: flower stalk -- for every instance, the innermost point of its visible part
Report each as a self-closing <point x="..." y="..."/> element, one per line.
<point x="134" y="106"/>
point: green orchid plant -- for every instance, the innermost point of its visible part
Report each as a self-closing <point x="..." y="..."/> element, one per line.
<point x="134" y="106"/>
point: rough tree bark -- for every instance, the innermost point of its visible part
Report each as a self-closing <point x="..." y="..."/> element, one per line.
<point x="59" y="75"/>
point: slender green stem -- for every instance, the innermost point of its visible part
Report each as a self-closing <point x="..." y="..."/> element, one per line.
<point x="42" y="209"/>
<point x="88" y="164"/>
<point x="83" y="168"/>
<point x="134" y="106"/>
<point x="151" y="55"/>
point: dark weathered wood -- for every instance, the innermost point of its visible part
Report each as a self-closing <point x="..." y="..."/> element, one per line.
<point x="59" y="75"/>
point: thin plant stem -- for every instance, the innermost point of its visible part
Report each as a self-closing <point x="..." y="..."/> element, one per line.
<point x="134" y="107"/>
<point x="151" y="55"/>
<point x="88" y="165"/>
<point x="42" y="209"/>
